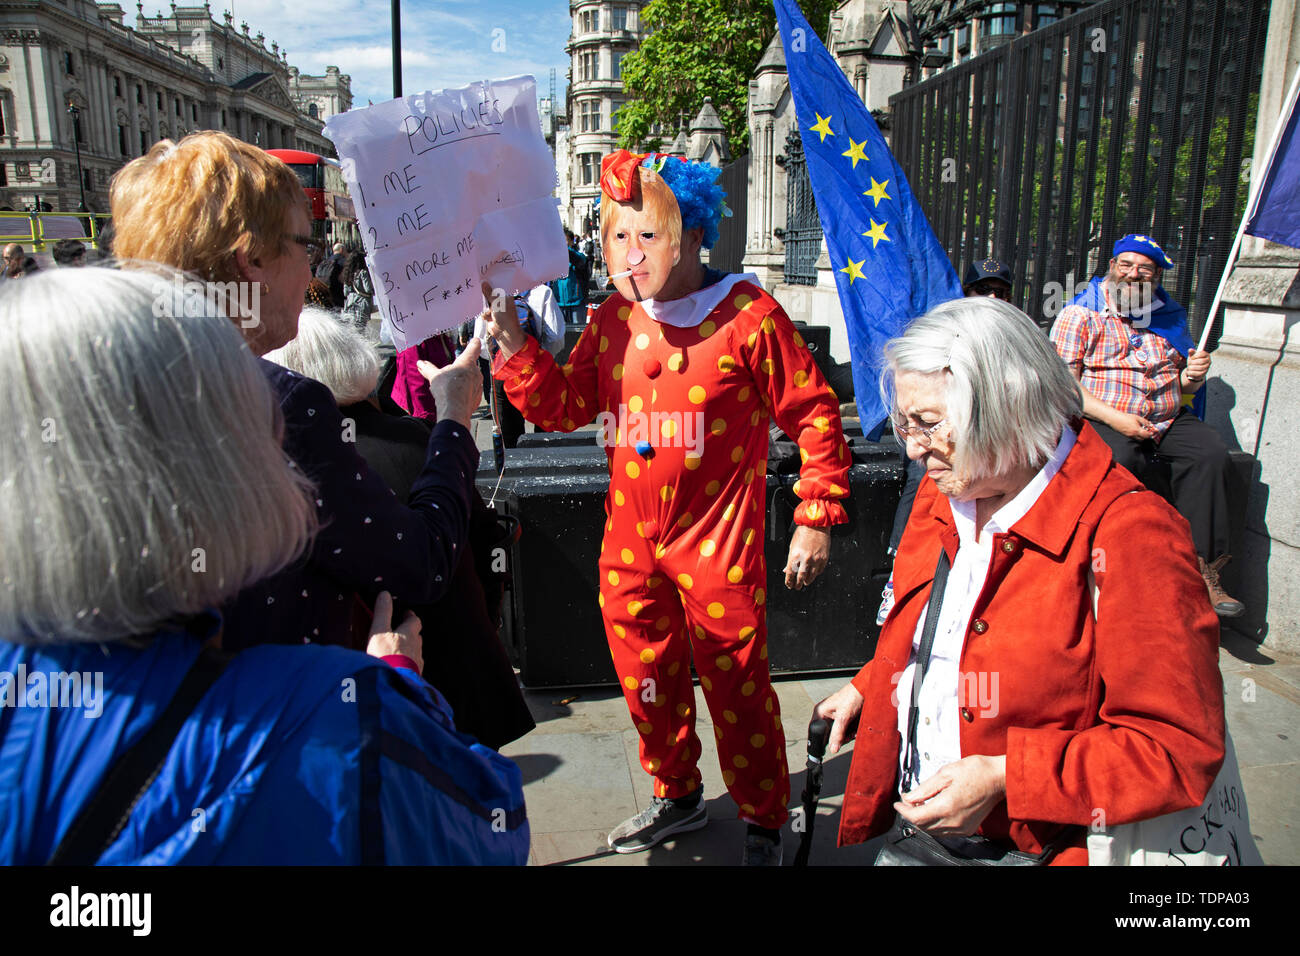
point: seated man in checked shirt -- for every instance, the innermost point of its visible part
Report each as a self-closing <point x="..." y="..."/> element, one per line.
<point x="1127" y="342"/>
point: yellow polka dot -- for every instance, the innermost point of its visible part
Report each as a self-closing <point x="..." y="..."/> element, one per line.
<point x="600" y="599"/>
<point x="734" y="574"/>
<point x="660" y="625"/>
<point x="798" y="340"/>
<point x="640" y="529"/>
<point x="633" y="470"/>
<point x="728" y="777"/>
<point x="717" y="731"/>
<point x="675" y="362"/>
<point x="776" y="722"/>
<point x="741" y="301"/>
<point x="665" y="493"/>
<point x="618" y="436"/>
<point x="652" y="764"/>
<point x="785" y="798"/>
<point x="766" y="785"/>
<point x="634" y="607"/>
<point x="693" y="461"/>
<point x="747" y="632"/>
<point x="800" y="378"/>
<point x="699" y="632"/>
<point x="673" y="668"/>
<point x="749" y="475"/>
<point x="669" y="428"/>
<point x="705" y="682"/>
<point x="723" y="662"/>
<point x="619" y="499"/>
<point x="686" y="581"/>
<point x="795" y="486"/>
<point x="613" y="577"/>
<point x="547" y="423"/>
<point x="634" y="403"/>
<point x="726" y="363"/>
<point x="624" y="312"/>
<point x="568" y="424"/>
<point x="752" y="340"/>
<point x="712" y="487"/>
<point x="707" y="328"/>
<point x="754" y="417"/>
<point x="718" y="427"/>
<point x="697" y="394"/>
<point x="653" y="582"/>
<point x="660" y="550"/>
<point x="618" y="372"/>
<point x="604" y="343"/>
<point x="822" y="424"/>
<point x="643" y="341"/>
<point x="813" y="511"/>
<point x="729" y="716"/>
<point x="646" y="727"/>
<point x="748" y="536"/>
<point x="647" y="656"/>
<point x="803" y="455"/>
<point x="757" y="740"/>
<point x="743" y="394"/>
<point x="630" y="683"/>
<point x="534" y="399"/>
<point x="767" y="325"/>
<point x="836" y="490"/>
<point x="741" y="762"/>
<point x="729" y="512"/>
<point x="683" y="710"/>
<point x="768" y="366"/>
<point x="747" y="688"/>
<point x="716" y="609"/>
<point x="626" y="555"/>
<point x="620" y="630"/>
<point x="767" y="705"/>
<point x="762" y="655"/>
<point x="567" y="369"/>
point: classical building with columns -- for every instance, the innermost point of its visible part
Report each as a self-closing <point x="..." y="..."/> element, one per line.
<point x="132" y="86"/>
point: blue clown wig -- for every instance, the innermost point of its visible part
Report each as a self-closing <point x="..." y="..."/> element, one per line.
<point x="702" y="201"/>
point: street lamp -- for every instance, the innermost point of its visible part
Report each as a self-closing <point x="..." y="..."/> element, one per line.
<point x="397" y="48"/>
<point x="76" y="145"/>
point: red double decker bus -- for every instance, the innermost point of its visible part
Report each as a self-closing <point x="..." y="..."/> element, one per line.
<point x="333" y="217"/>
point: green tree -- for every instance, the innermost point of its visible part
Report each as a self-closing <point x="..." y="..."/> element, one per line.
<point x="699" y="48"/>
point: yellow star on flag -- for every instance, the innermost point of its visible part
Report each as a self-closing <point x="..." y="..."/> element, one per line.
<point x="877" y="233"/>
<point x="854" y="269"/>
<point x="877" y="191"/>
<point x="823" y="126"/>
<point x="854" y="152"/>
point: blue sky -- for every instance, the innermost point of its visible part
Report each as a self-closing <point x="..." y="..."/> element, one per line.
<point x="444" y="43"/>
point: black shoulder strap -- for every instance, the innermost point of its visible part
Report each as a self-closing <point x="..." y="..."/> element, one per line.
<point x="102" y="819"/>
<point x="913" y="765"/>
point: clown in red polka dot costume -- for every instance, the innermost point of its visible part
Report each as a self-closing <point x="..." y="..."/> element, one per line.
<point x="682" y="369"/>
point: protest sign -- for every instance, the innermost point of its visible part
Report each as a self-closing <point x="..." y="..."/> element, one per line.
<point x="452" y="189"/>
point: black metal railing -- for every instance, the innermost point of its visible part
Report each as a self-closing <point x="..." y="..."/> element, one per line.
<point x="728" y="252"/>
<point x="1131" y="116"/>
<point x="803" y="230"/>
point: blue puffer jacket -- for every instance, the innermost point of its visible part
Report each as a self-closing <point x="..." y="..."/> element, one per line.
<point x="295" y="755"/>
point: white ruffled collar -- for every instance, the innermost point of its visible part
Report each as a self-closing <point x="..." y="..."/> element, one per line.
<point x="690" y="310"/>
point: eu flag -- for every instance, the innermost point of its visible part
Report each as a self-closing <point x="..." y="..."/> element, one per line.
<point x="889" y="267"/>
<point x="1277" y="205"/>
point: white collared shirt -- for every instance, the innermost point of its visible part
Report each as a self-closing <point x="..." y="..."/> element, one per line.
<point x="938" y="729"/>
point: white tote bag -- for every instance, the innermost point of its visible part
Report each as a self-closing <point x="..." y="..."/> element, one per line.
<point x="1217" y="833"/>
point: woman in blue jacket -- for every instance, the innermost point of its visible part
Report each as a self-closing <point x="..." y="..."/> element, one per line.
<point x="144" y="484"/>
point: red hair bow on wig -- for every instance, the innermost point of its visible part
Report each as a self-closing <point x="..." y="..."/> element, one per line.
<point x="618" y="178"/>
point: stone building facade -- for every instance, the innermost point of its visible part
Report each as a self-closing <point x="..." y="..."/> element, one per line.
<point x="132" y="86"/>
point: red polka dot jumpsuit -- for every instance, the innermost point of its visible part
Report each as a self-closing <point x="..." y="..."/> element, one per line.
<point x="681" y="568"/>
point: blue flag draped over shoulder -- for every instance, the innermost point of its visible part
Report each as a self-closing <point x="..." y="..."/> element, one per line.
<point x="888" y="265"/>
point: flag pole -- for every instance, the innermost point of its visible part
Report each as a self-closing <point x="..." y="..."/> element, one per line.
<point x="1288" y="106"/>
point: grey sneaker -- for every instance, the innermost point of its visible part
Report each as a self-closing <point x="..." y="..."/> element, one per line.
<point x="760" y="851"/>
<point x="656" y="823"/>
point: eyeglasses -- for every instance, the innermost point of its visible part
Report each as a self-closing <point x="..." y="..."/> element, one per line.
<point x="1124" y="267"/>
<point x="924" y="434"/>
<point x="995" y="288"/>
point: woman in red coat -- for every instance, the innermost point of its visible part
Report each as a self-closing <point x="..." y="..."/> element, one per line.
<point x="1072" y="679"/>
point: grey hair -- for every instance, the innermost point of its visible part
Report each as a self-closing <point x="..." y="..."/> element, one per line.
<point x="144" y="479"/>
<point x="336" y="355"/>
<point x="1009" y="393"/>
